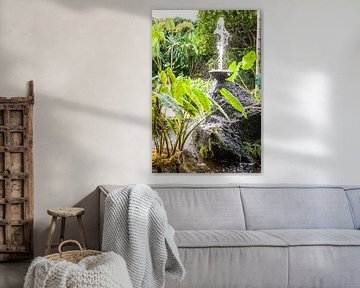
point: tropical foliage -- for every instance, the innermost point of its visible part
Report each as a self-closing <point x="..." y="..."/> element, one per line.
<point x="253" y="150"/>
<point x="247" y="63"/>
<point x="183" y="53"/>
<point x="173" y="46"/>
<point x="179" y="105"/>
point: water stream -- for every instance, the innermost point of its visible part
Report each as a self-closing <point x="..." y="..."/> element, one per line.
<point x="222" y="42"/>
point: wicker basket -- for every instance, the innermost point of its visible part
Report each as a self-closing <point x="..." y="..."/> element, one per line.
<point x="72" y="256"/>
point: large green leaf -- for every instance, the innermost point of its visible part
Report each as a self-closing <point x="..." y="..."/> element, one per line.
<point x="177" y="90"/>
<point x="248" y="60"/>
<point x="203" y="99"/>
<point x="155" y="48"/>
<point x="193" y="104"/>
<point x="164" y="88"/>
<point x="171" y="75"/>
<point x="187" y="86"/>
<point x="233" y="101"/>
<point x="190" y="96"/>
<point x="234" y="68"/>
<point x="163" y="77"/>
<point x="170" y="103"/>
<point x="189" y="107"/>
<point x="157" y="37"/>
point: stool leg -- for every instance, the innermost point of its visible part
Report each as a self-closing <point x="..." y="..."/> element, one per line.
<point x="62" y="231"/>
<point x="51" y="235"/>
<point x="82" y="232"/>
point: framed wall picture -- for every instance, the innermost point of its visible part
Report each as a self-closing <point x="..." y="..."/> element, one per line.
<point x="206" y="91"/>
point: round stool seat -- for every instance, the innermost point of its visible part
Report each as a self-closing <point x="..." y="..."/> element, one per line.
<point x="66" y="211"/>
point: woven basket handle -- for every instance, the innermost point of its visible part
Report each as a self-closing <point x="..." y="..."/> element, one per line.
<point x="69" y="241"/>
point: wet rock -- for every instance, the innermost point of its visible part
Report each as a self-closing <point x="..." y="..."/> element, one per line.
<point x="189" y="163"/>
<point x="223" y="140"/>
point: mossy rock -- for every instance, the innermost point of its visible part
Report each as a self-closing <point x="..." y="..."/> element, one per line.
<point x="222" y="139"/>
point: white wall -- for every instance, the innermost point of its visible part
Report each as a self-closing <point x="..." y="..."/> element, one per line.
<point x="90" y="61"/>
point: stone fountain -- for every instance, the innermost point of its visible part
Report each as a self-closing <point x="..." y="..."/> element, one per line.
<point x="221" y="141"/>
<point x="223" y="35"/>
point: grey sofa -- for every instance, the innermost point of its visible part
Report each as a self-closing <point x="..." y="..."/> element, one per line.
<point x="254" y="236"/>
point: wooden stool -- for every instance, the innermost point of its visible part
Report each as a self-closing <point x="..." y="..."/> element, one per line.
<point x="64" y="213"/>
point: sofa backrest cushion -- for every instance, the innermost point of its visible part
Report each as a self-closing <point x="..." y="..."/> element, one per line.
<point x="354" y="198"/>
<point x="202" y="208"/>
<point x="296" y="208"/>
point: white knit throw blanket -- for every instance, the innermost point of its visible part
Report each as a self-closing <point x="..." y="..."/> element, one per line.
<point x="103" y="271"/>
<point x="136" y="227"/>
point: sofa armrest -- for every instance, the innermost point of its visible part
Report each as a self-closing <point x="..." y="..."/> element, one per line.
<point x="103" y="195"/>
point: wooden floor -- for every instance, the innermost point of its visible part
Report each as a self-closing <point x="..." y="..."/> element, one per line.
<point x="12" y="274"/>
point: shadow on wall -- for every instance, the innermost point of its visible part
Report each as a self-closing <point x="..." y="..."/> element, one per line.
<point x="75" y="162"/>
<point x="63" y="162"/>
<point x="58" y="169"/>
<point x="130" y="6"/>
<point x="69" y="158"/>
<point x="135" y="7"/>
<point x="73" y="107"/>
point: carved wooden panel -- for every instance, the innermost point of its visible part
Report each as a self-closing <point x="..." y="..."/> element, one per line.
<point x="16" y="177"/>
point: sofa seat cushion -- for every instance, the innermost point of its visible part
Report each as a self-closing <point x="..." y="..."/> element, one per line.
<point x="317" y="237"/>
<point x="225" y="238"/>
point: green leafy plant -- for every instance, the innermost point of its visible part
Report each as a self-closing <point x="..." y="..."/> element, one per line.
<point x="247" y="62"/>
<point x="233" y="101"/>
<point x="173" y="46"/>
<point x="253" y="149"/>
<point x="205" y="151"/>
<point x="158" y="37"/>
<point x="234" y="68"/>
<point x="179" y="105"/>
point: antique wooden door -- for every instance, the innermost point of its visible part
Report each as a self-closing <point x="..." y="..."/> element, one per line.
<point x="16" y="177"/>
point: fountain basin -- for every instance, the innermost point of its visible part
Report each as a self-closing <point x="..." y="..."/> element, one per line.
<point x="220" y="75"/>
